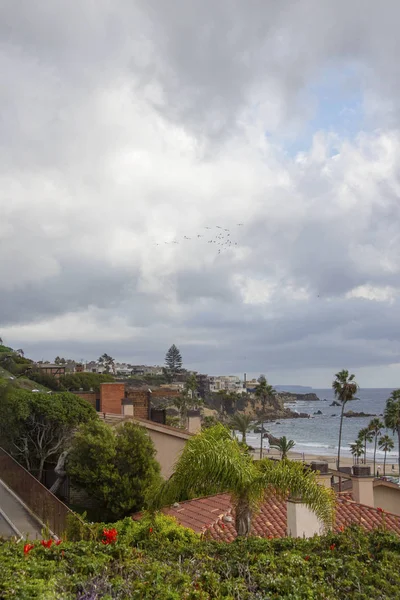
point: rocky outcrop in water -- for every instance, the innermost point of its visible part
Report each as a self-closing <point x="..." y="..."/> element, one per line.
<point x="352" y="413"/>
<point x="292" y="397"/>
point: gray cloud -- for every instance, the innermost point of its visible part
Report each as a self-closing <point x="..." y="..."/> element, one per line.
<point x="129" y="124"/>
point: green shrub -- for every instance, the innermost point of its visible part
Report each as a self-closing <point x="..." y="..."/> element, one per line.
<point x="158" y="559"/>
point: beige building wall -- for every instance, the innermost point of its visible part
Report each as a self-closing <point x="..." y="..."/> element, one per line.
<point x="301" y="521"/>
<point x="388" y="498"/>
<point x="168" y="449"/>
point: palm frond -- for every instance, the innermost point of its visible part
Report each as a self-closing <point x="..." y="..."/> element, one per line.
<point x="211" y="461"/>
<point x="284" y="478"/>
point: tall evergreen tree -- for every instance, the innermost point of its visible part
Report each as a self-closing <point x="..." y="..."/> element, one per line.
<point x="173" y="363"/>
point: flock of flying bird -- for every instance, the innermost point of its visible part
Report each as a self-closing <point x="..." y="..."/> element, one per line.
<point x="223" y="238"/>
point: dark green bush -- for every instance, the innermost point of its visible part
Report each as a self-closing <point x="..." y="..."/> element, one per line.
<point x="158" y="559"/>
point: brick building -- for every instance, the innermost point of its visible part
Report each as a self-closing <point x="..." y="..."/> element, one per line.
<point x="117" y="399"/>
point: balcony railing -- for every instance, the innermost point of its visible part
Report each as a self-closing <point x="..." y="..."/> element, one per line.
<point x="47" y="507"/>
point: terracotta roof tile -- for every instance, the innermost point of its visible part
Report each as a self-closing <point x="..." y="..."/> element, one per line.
<point x="206" y="515"/>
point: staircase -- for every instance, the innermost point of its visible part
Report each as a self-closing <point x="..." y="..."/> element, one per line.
<point x="15" y="518"/>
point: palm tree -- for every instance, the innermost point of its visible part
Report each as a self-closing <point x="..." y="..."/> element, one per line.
<point x="242" y="423"/>
<point x="375" y="426"/>
<point x="357" y="449"/>
<point x="265" y="393"/>
<point x="213" y="461"/>
<point x="284" y="446"/>
<point x="345" y="389"/>
<point x="386" y="444"/>
<point x="365" y="435"/>
<point x="392" y="416"/>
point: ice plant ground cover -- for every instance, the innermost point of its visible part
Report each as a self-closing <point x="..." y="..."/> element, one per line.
<point x="157" y="558"/>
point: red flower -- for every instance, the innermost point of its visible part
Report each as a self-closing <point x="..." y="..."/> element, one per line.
<point x="307" y="557"/>
<point x="270" y="537"/>
<point x="46" y="543"/>
<point x="222" y="526"/>
<point x="109" y="536"/>
<point x="28" y="548"/>
<point x="341" y="528"/>
<point x="380" y="510"/>
<point x="62" y="553"/>
<point x="58" y="542"/>
<point x="150" y="530"/>
<point x="332" y="546"/>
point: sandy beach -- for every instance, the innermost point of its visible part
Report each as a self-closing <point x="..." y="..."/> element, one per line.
<point x="345" y="461"/>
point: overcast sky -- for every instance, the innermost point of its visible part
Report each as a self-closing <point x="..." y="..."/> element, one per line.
<point x="131" y="123"/>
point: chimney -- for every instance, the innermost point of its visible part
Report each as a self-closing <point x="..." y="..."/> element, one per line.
<point x="322" y="470"/>
<point x="193" y="421"/>
<point x="363" y="485"/>
<point x="301" y="521"/>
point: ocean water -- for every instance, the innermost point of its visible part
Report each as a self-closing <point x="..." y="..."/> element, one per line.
<point x="319" y="434"/>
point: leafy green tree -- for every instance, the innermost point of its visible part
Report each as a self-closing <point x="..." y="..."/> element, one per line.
<point x="357" y="449"/>
<point x="36" y="427"/>
<point x="345" y="389"/>
<point x="107" y="362"/>
<point x="214" y="460"/>
<point x="183" y="402"/>
<point x="173" y="363"/>
<point x="209" y="421"/>
<point x="191" y="385"/>
<point x="228" y="401"/>
<point x="365" y="435"/>
<point x="392" y="417"/>
<point x="86" y="381"/>
<point x="242" y="423"/>
<point x="386" y="444"/>
<point x="284" y="446"/>
<point x="116" y="467"/>
<point x="375" y="426"/>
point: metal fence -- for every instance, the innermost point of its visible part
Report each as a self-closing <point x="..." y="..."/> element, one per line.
<point x="47" y="507"/>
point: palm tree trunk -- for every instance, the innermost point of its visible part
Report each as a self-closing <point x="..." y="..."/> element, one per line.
<point x="340" y="437"/>
<point x="243" y="516"/>
<point x="384" y="464"/>
<point x="376" y="441"/>
<point x="261" y="440"/>
<point x="365" y="450"/>
<point x="244" y="436"/>
<point x="398" y="446"/>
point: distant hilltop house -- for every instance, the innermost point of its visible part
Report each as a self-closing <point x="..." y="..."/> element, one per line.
<point x="50" y="369"/>
<point x="229" y="383"/>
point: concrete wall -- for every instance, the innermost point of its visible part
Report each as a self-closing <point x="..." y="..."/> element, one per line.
<point x="363" y="490"/>
<point x="301" y="521"/>
<point x="168" y="449"/>
<point x="388" y="498"/>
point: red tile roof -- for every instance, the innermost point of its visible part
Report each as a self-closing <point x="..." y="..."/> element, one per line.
<point x="214" y="516"/>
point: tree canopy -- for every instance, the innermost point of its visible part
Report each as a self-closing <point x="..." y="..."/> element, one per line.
<point x="36" y="427"/>
<point x="173" y="363"/>
<point x="116" y="467"/>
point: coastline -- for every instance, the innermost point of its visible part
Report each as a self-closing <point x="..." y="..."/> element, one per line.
<point x="345" y="461"/>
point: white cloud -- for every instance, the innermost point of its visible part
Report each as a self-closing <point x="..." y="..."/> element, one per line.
<point x="153" y="123"/>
